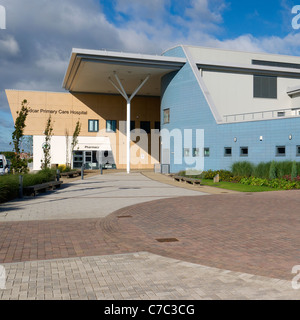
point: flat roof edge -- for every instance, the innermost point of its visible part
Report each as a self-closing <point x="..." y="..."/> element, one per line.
<point x="125" y="55"/>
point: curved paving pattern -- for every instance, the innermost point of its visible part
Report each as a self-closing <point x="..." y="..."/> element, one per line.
<point x="252" y="235"/>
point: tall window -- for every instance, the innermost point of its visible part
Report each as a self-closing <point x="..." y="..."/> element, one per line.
<point x="206" y="152"/>
<point x="264" y="87"/>
<point x="132" y="126"/>
<point x="145" y="125"/>
<point x="111" y="125"/>
<point x="93" y="125"/>
<point x="166" y="116"/>
<point x="157" y="125"/>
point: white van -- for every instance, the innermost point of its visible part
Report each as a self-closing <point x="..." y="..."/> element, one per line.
<point x="3" y="164"/>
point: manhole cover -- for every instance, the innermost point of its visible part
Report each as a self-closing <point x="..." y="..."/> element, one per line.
<point x="167" y="240"/>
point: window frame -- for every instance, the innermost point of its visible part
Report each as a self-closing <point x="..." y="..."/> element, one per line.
<point x="113" y="126"/>
<point x="262" y="87"/>
<point x="94" y="129"/>
<point x="186" y="155"/>
<point x="166" y="116"/>
<point x="226" y="154"/>
<point x="205" y="150"/>
<point x="278" y="154"/>
<point x="196" y="152"/>
<point x="244" y="154"/>
<point x="147" y="130"/>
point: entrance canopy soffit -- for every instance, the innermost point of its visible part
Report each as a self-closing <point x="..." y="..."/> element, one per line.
<point x="89" y="71"/>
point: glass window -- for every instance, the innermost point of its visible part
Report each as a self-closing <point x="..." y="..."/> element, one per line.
<point x="195" y="152"/>
<point x="280" y="151"/>
<point x="132" y="125"/>
<point x="206" y="152"/>
<point x="227" y="151"/>
<point x="1" y="163"/>
<point x="298" y="151"/>
<point x="145" y="125"/>
<point x="281" y="114"/>
<point x="265" y="87"/>
<point x="166" y="116"/>
<point x="186" y="152"/>
<point x="244" y="152"/>
<point x="111" y="125"/>
<point x="93" y="125"/>
<point x="157" y="125"/>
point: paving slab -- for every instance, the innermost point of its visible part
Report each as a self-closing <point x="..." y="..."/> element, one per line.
<point x="97" y="196"/>
<point x="136" y="276"/>
<point x="97" y="239"/>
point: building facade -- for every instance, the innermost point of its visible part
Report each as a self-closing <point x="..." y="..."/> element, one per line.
<point x="213" y="108"/>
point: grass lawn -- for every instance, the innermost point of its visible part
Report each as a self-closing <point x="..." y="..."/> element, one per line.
<point x="236" y="186"/>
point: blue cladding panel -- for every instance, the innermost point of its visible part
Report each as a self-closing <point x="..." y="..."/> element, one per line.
<point x="189" y="110"/>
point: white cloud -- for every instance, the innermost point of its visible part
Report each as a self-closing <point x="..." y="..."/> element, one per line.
<point x="9" y="46"/>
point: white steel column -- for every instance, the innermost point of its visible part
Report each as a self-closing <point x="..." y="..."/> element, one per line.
<point x="128" y="136"/>
<point x="124" y="94"/>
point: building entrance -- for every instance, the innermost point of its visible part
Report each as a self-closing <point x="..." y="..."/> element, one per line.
<point x="92" y="160"/>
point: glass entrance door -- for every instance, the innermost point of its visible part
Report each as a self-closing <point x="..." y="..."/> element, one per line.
<point x="78" y="159"/>
<point x="87" y="158"/>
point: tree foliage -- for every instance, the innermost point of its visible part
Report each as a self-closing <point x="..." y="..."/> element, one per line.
<point x="75" y="137"/>
<point x="47" y="144"/>
<point x="19" y="165"/>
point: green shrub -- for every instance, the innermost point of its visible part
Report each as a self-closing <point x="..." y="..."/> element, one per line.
<point x="64" y="168"/>
<point x="262" y="170"/>
<point x="273" y="171"/>
<point x="244" y="168"/>
<point x="9" y="184"/>
<point x="294" y="173"/>
<point x="210" y="174"/>
<point x="274" y="183"/>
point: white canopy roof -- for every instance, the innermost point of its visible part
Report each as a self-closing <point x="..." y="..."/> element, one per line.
<point x="89" y="71"/>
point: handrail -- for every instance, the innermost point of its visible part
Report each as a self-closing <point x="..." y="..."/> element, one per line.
<point x="264" y="114"/>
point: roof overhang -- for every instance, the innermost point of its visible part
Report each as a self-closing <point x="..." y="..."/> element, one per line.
<point x="248" y="69"/>
<point x="89" y="71"/>
<point x="292" y="91"/>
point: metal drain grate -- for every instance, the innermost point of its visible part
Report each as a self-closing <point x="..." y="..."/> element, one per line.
<point x="167" y="240"/>
<point x="120" y="217"/>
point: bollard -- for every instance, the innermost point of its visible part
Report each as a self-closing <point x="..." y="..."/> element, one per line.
<point x="101" y="169"/>
<point x="82" y="167"/>
<point x="20" y="186"/>
<point x="57" y="175"/>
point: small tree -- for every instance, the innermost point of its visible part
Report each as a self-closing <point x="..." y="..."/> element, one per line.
<point x="67" y="147"/>
<point x="19" y="165"/>
<point x="47" y="144"/>
<point x="75" y="138"/>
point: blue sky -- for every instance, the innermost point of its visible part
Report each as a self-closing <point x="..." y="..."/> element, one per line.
<point x="40" y="34"/>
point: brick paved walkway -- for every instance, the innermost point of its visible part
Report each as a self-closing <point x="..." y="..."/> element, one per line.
<point x="252" y="234"/>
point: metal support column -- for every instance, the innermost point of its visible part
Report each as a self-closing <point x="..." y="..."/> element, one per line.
<point x="128" y="100"/>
